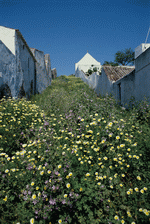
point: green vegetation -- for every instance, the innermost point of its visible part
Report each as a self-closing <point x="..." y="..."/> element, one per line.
<point x="68" y="156"/>
<point x="123" y="57"/>
<point x="93" y="69"/>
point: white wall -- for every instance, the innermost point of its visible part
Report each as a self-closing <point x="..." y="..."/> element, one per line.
<point x="7" y="36"/>
<point x="100" y="83"/>
<point x="85" y="67"/>
<point x="25" y="67"/>
<point x="142" y="76"/>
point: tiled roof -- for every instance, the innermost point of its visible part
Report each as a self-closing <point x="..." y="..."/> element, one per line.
<point x="115" y="73"/>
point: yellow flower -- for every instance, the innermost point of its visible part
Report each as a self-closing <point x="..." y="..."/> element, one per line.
<point x="32" y="183"/>
<point x="42" y="172"/>
<point x="136" y="189"/>
<point x="142" y="191"/>
<point x="121" y="185"/>
<point x="24" y="145"/>
<point x="6" y="171"/>
<point x="122" y="175"/>
<point x="81" y="189"/>
<point x="81" y="162"/>
<point x="59" y="166"/>
<point x="111" y="186"/>
<point x="116" y="217"/>
<point x="49" y="171"/>
<point x="140" y="210"/>
<point x="68" y="185"/>
<point x="87" y="175"/>
<point x="117" y="137"/>
<point x="32" y="221"/>
<point x="146" y="212"/>
<point x="105" y="158"/>
<point x="128" y="192"/>
<point x="145" y="188"/>
<point x="122" y="221"/>
<point x="138" y="177"/>
<point x="122" y="145"/>
<point x="65" y="195"/>
<point x="37" y="188"/>
<point x="33" y="196"/>
<point x="5" y="199"/>
<point x="70" y="174"/>
<point x="59" y="221"/>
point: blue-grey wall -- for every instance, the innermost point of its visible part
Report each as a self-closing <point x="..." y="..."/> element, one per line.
<point x="100" y="83"/>
<point x="25" y="70"/>
<point x="42" y="76"/>
<point x="7" y="68"/>
<point x="142" y="76"/>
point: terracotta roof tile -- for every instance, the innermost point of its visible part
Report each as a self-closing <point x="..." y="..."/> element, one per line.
<point x="115" y="73"/>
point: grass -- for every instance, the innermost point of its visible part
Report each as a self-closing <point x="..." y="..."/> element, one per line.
<point x="68" y="156"/>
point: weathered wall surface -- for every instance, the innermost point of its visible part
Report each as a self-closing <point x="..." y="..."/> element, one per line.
<point x="54" y="73"/>
<point x="99" y="83"/>
<point x="7" y="69"/>
<point x="25" y="68"/>
<point x="42" y="77"/>
<point x="122" y="89"/>
<point x="48" y="65"/>
<point x="127" y="88"/>
<point x="142" y="76"/>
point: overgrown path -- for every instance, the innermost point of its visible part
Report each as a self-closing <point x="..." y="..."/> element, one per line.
<point x="75" y="158"/>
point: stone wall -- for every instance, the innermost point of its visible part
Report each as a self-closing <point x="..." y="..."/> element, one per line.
<point x="54" y="73"/>
<point x="99" y="83"/>
<point x="25" y="69"/>
<point x="122" y="90"/>
<point x="142" y="76"/>
<point x="43" y="74"/>
<point x="7" y="70"/>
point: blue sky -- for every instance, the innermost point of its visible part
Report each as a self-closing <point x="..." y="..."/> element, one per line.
<point x="66" y="29"/>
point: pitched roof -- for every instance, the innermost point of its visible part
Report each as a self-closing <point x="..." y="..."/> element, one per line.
<point x="115" y="73"/>
<point x="88" y="59"/>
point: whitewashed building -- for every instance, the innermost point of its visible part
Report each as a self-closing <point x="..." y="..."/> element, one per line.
<point x="124" y="82"/>
<point x="86" y="63"/>
<point x="23" y="71"/>
<point x="19" y="73"/>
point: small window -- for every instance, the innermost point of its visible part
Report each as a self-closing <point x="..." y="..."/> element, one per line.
<point x="23" y="47"/>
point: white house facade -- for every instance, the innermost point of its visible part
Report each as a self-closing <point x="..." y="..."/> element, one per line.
<point x="23" y="70"/>
<point x="86" y="63"/>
